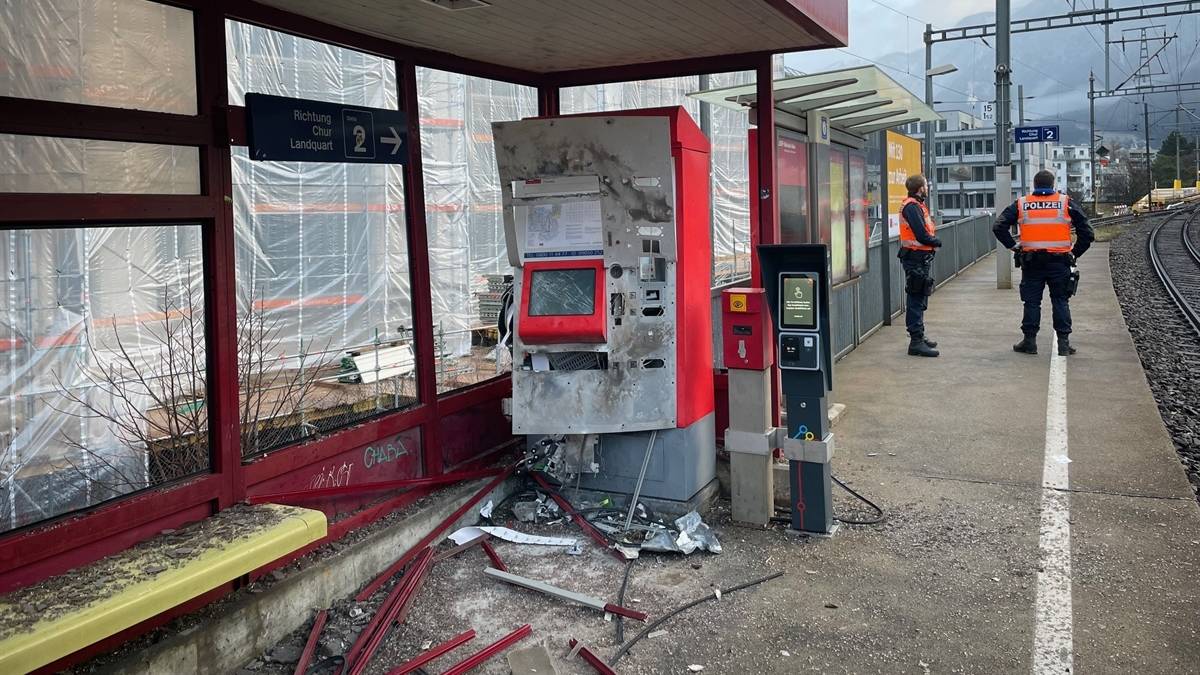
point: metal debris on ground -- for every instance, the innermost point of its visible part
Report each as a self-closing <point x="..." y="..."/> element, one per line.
<point x="691" y="533"/>
<point x="491" y="650"/>
<point x="590" y="657"/>
<point x="564" y="594"/>
<point x="468" y="533"/>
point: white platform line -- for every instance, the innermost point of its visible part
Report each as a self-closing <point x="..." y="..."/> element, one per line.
<point x="1052" y="642"/>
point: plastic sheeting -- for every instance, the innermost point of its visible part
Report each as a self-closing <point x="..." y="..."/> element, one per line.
<point x="321" y="248"/>
<point x="729" y="137"/>
<point x="462" y="212"/>
<point x="81" y="308"/>
<point x="118" y="53"/>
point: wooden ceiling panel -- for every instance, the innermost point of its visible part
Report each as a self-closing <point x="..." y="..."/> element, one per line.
<point x="561" y="35"/>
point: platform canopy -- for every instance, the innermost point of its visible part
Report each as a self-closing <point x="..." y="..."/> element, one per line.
<point x="537" y="36"/>
<point x="857" y="100"/>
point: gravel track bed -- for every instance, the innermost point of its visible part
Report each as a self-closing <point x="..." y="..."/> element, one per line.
<point x="1168" y="348"/>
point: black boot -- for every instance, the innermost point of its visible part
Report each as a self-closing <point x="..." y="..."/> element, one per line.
<point x="932" y="344"/>
<point x="1064" y="346"/>
<point x="1027" y="345"/>
<point x="917" y="346"/>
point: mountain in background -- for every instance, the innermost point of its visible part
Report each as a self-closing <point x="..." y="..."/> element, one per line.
<point x="1053" y="66"/>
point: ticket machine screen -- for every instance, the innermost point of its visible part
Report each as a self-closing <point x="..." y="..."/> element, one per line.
<point x="798" y="302"/>
<point x="564" y="292"/>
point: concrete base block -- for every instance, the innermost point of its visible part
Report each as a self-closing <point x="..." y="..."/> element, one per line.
<point x="752" y="487"/>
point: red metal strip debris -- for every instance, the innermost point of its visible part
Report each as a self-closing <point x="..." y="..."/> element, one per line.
<point x="300" y="495"/>
<point x="450" y="553"/>
<point x="429" y="538"/>
<point x="579" y="519"/>
<point x="491" y="650"/>
<point x="593" y="660"/>
<point x="311" y="646"/>
<point x="493" y="556"/>
<point x="433" y="653"/>
<point x="627" y="612"/>
<point x="394" y="608"/>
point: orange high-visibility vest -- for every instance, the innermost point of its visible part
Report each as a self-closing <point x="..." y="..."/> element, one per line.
<point x="907" y="238"/>
<point x="1045" y="223"/>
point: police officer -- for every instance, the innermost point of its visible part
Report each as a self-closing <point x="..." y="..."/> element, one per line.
<point x="1046" y="256"/>
<point x="918" y="242"/>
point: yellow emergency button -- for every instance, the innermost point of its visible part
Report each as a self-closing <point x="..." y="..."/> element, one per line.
<point x="737" y="302"/>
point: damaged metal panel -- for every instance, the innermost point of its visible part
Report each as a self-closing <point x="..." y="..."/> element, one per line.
<point x="624" y="164"/>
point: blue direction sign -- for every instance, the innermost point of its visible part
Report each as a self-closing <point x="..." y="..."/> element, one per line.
<point x="298" y="130"/>
<point x="1048" y="134"/>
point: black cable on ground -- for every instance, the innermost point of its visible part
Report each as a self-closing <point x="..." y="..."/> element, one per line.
<point x="870" y="521"/>
<point x="621" y="601"/>
<point x="683" y="608"/>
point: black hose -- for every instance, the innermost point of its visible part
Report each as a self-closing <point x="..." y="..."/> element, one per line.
<point x="683" y="608"/>
<point x="621" y="601"/>
<point x="870" y="521"/>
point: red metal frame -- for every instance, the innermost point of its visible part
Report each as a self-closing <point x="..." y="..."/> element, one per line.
<point x="358" y="488"/>
<point x="437" y="532"/>
<point x="310" y="647"/>
<point x="578" y="519"/>
<point x="434" y="653"/>
<point x="594" y="661"/>
<point x="558" y="328"/>
<point x="491" y="650"/>
<point x="393" y="610"/>
<point x="53" y="547"/>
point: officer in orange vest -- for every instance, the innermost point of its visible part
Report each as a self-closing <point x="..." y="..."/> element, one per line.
<point x="1046" y="256"/>
<point x="918" y="242"/>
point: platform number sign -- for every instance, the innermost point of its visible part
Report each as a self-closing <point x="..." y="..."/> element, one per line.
<point x="284" y="129"/>
<point x="1039" y="134"/>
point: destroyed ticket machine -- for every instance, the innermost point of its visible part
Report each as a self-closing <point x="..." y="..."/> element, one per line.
<point x="607" y="224"/>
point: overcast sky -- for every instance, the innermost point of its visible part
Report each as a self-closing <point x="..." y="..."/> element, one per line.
<point x="890" y="32"/>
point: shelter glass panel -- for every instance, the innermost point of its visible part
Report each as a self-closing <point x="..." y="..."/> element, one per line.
<point x="838" y="215"/>
<point x="80" y="165"/>
<point x="792" y="174"/>
<point x="325" y="335"/>
<point x="728" y="132"/>
<point x="860" y="229"/>
<point x="102" y="366"/>
<point x="116" y="53"/>
<point x="468" y="257"/>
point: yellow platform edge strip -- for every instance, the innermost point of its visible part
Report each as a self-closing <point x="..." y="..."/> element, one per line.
<point x="50" y="641"/>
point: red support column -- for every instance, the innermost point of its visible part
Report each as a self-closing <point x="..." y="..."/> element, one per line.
<point x="220" y="277"/>
<point x="768" y="187"/>
<point x="419" y="273"/>
<point x="549" y="100"/>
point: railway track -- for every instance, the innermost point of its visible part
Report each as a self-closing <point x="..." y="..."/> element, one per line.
<point x="1175" y="256"/>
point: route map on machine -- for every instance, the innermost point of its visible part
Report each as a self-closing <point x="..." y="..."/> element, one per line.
<point x="566" y="229"/>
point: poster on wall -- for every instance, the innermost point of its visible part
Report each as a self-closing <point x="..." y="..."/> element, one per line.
<point x="903" y="160"/>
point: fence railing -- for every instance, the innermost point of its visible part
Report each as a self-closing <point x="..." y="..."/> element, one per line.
<point x="858" y="307"/>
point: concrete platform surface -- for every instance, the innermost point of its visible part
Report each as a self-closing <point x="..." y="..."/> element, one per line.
<point x="962" y="445"/>
<point x="976" y="563"/>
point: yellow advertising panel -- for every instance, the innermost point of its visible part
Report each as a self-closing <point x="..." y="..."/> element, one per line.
<point x="903" y="160"/>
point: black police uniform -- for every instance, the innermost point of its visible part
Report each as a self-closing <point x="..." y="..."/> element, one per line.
<point x="1041" y="269"/>
<point x="917" y="264"/>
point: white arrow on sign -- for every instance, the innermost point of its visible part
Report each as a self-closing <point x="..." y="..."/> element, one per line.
<point x="393" y="141"/>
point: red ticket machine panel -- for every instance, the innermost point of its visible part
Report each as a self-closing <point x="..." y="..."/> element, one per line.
<point x="562" y="302"/>
<point x="746" y="329"/>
